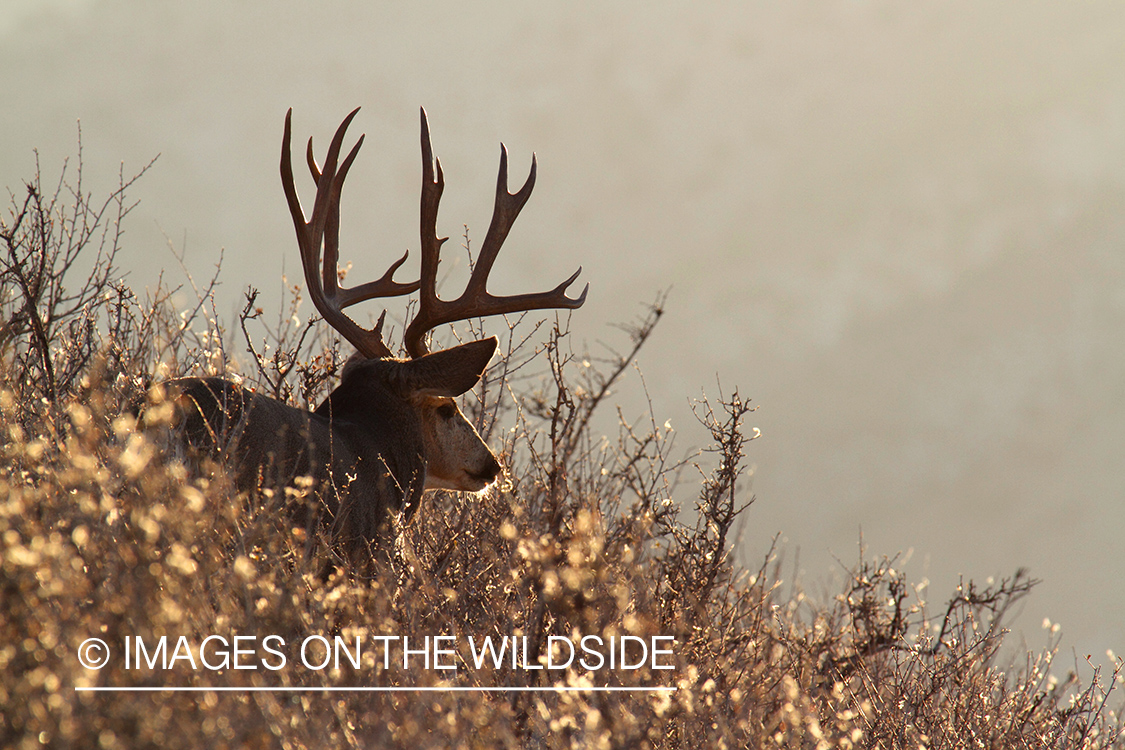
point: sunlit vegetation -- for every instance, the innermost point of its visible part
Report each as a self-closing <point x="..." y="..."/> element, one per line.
<point x="105" y="532"/>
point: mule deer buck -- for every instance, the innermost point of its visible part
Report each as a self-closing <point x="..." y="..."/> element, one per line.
<point x="391" y="429"/>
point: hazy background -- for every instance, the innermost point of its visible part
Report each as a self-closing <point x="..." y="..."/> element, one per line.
<point x="898" y="227"/>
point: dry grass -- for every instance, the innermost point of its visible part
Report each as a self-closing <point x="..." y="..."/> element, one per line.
<point x="103" y="534"/>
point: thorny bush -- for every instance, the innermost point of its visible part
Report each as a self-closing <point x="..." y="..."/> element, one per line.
<point x="103" y="534"/>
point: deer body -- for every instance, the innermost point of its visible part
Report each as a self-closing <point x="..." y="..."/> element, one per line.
<point x="391" y="429"/>
<point x="388" y="432"/>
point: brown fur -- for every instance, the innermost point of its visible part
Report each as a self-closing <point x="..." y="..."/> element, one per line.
<point x="387" y="433"/>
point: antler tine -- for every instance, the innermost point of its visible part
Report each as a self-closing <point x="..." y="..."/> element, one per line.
<point x="475" y="301"/>
<point x="312" y="162"/>
<point x="507" y="208"/>
<point x="322" y="230"/>
<point x="432" y="188"/>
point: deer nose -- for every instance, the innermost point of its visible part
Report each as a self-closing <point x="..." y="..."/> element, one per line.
<point x="490" y="470"/>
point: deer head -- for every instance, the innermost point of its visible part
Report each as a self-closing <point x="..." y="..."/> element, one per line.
<point x="455" y="456"/>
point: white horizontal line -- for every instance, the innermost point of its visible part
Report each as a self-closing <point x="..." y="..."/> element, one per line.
<point x="367" y="689"/>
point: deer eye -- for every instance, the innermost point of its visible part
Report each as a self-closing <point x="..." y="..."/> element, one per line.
<point x="446" y="411"/>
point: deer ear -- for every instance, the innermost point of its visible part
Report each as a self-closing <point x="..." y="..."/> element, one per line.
<point x="450" y="372"/>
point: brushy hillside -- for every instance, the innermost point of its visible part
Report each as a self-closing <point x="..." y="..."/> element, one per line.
<point x="103" y="533"/>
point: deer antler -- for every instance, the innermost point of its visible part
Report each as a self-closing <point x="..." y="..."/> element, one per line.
<point x="323" y="230"/>
<point x="475" y="301"/>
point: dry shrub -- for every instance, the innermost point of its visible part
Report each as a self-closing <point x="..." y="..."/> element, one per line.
<point x="103" y="533"/>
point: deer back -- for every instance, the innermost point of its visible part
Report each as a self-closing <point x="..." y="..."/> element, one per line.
<point x="389" y="431"/>
<point x="366" y="462"/>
